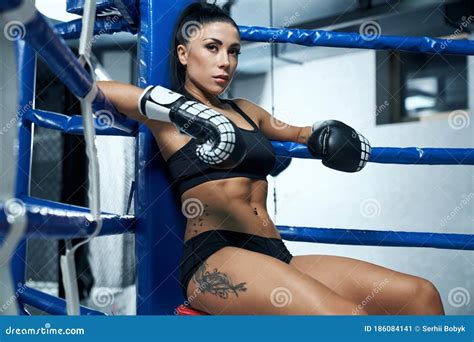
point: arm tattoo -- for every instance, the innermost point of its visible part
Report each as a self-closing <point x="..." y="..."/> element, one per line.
<point x="216" y="283"/>
<point x="303" y="135"/>
<point x="303" y="139"/>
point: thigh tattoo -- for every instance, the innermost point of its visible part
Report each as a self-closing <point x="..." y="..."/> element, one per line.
<point x="216" y="283"/>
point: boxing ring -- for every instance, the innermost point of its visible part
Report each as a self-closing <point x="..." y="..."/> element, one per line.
<point x="157" y="210"/>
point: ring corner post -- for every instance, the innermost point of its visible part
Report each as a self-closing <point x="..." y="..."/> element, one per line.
<point x="160" y="227"/>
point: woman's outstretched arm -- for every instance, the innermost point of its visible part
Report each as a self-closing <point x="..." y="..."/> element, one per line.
<point x="124" y="97"/>
<point x="338" y="145"/>
<point x="273" y="128"/>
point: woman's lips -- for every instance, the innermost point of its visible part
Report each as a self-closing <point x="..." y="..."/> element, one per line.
<point x="220" y="80"/>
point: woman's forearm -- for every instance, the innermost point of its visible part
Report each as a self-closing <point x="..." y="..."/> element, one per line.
<point x="124" y="97"/>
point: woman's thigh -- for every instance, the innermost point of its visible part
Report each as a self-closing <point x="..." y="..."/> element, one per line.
<point x="235" y="281"/>
<point x="376" y="289"/>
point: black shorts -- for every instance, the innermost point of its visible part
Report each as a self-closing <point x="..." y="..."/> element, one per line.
<point x="202" y="246"/>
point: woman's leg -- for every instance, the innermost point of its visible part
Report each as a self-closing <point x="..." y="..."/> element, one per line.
<point x="235" y="281"/>
<point x="376" y="289"/>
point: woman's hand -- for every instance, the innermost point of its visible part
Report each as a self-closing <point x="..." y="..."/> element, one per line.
<point x="339" y="146"/>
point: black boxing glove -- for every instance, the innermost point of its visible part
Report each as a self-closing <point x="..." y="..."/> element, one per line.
<point x="221" y="145"/>
<point x="339" y="146"/>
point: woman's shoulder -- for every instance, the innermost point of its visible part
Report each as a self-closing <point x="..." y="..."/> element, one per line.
<point x="250" y="108"/>
<point x="242" y="102"/>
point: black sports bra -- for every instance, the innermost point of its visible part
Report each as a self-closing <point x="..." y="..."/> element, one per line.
<point x="188" y="170"/>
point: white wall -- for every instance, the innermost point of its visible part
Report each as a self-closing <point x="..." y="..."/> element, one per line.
<point x="382" y="196"/>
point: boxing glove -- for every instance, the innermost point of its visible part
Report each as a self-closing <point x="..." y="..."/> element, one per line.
<point x="220" y="143"/>
<point x="339" y="146"/>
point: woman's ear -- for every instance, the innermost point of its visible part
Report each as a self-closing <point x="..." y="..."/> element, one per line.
<point x="182" y="53"/>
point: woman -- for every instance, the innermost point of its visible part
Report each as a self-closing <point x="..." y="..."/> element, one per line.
<point x="234" y="260"/>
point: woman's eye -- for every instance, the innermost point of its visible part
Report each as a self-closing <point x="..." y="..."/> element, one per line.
<point x="235" y="52"/>
<point x="212" y="47"/>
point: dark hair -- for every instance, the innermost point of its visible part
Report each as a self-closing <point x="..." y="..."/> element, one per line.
<point x="193" y="17"/>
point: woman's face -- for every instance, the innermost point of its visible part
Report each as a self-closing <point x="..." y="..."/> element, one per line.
<point x="210" y="57"/>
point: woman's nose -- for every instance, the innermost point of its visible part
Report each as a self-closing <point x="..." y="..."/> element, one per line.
<point x="223" y="60"/>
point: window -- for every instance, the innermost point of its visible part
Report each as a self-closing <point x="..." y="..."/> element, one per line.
<point x="412" y="86"/>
